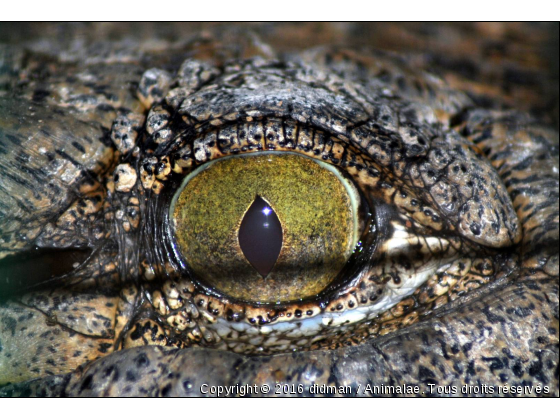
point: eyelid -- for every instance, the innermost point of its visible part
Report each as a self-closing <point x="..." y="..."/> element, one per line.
<point x="378" y="124"/>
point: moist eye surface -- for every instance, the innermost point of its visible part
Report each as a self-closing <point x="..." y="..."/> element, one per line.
<point x="215" y="225"/>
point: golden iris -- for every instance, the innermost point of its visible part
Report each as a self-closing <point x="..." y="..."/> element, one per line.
<point x="316" y="207"/>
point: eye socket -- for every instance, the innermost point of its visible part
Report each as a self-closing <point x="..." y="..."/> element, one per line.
<point x="316" y="207"/>
<point x="407" y="235"/>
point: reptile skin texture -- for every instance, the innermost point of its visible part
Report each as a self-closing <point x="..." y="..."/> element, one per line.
<point x="449" y="132"/>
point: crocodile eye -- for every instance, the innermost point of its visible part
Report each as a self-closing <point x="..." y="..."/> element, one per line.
<point x="270" y="227"/>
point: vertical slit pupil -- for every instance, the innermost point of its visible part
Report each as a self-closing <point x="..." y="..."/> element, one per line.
<point x="260" y="236"/>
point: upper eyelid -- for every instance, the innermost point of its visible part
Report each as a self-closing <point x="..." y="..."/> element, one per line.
<point x="269" y="94"/>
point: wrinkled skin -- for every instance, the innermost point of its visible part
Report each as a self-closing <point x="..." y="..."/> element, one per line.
<point x="93" y="135"/>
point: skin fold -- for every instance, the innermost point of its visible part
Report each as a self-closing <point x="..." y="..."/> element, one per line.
<point x="452" y="147"/>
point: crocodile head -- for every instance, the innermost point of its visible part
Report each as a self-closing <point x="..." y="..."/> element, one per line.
<point x="454" y="280"/>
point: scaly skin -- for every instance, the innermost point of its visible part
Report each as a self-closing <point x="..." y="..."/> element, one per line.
<point x="458" y="283"/>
